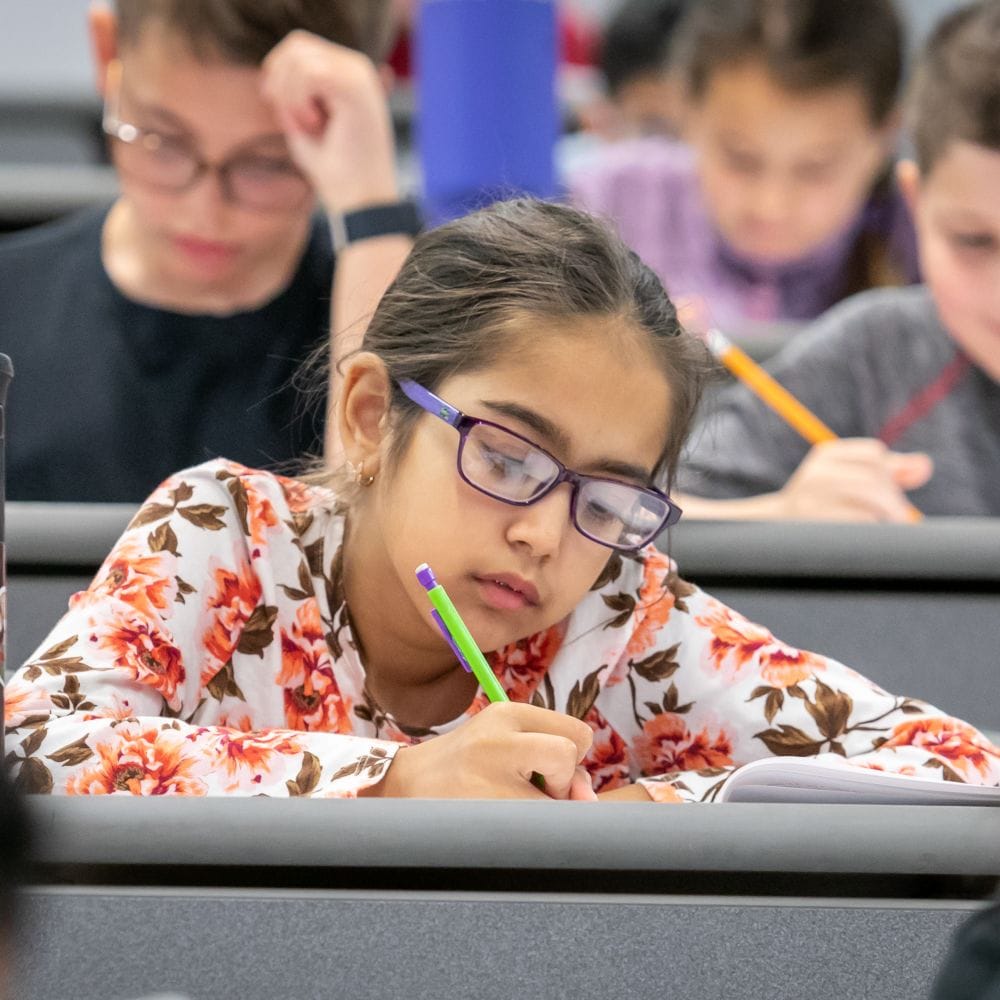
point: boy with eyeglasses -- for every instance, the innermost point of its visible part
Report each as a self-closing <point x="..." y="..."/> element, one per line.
<point x="169" y="327"/>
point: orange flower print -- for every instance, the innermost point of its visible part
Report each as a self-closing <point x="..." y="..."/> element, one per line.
<point x="312" y="697"/>
<point x="145" y="580"/>
<point x="607" y="759"/>
<point x="736" y="642"/>
<point x="245" y="757"/>
<point x="22" y="701"/>
<point x="138" y="646"/>
<point x="666" y="744"/>
<point x="784" y="666"/>
<point x="142" y="759"/>
<point x="654" y="606"/>
<point x="117" y="708"/>
<point x="521" y="665"/>
<point x="964" y="749"/>
<point x="260" y="516"/>
<point x="300" y="497"/>
<point x="229" y="608"/>
<point x="733" y="636"/>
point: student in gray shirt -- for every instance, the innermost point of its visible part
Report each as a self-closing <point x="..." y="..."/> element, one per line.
<point x="879" y="367"/>
<point x="908" y="378"/>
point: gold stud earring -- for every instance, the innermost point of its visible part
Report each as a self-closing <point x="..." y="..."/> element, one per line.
<point x="359" y="475"/>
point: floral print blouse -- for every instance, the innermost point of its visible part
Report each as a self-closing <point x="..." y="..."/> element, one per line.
<point x="213" y="654"/>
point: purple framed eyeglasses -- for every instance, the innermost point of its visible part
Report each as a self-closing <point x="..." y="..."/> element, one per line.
<point x="510" y="468"/>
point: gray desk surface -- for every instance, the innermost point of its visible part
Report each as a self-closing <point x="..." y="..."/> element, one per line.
<point x="365" y="834"/>
<point x="623" y="938"/>
<point x="939" y="549"/>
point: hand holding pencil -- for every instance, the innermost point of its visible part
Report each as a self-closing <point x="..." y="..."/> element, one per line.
<point x="851" y="468"/>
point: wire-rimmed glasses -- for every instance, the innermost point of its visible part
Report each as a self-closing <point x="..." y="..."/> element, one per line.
<point x="254" y="179"/>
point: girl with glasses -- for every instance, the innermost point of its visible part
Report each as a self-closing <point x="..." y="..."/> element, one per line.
<point x="513" y="418"/>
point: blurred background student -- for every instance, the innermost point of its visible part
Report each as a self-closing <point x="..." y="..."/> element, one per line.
<point x="167" y="327"/>
<point x="784" y="202"/>
<point x="908" y="378"/>
<point x="643" y="91"/>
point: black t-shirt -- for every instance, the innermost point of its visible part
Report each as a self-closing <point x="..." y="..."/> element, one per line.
<point x="110" y="396"/>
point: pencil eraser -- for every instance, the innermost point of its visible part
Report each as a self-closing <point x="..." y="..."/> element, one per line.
<point x="426" y="576"/>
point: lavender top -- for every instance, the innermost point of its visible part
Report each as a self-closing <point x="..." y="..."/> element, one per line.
<point x="649" y="189"/>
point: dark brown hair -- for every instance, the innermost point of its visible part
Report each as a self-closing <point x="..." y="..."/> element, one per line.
<point x="469" y="286"/>
<point x="244" y="31"/>
<point x="804" y="44"/>
<point x="955" y="92"/>
<point x="808" y="45"/>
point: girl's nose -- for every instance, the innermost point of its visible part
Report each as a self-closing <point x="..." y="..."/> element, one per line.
<point x="542" y="526"/>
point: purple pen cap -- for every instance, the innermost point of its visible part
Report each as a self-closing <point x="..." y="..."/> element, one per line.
<point x="426" y="576"/>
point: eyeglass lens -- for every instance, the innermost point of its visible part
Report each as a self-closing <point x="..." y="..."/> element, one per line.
<point x="170" y="163"/>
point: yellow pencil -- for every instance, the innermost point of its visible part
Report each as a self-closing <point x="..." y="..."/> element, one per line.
<point x="775" y="395"/>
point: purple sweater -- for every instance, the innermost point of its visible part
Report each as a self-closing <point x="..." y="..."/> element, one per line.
<point x="649" y="189"/>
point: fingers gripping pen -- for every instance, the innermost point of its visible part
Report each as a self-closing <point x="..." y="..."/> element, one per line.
<point x="458" y="636"/>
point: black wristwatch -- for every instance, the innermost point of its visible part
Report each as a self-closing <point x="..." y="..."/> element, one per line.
<point x="397" y="218"/>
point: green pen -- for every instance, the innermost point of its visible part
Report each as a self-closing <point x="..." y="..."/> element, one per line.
<point x="449" y="621"/>
<point x="458" y="636"/>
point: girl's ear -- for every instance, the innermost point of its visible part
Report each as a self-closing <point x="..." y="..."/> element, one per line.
<point x="908" y="180"/>
<point x="362" y="409"/>
<point x="103" y="29"/>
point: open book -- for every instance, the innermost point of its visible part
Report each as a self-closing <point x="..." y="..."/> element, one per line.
<point x="831" y="779"/>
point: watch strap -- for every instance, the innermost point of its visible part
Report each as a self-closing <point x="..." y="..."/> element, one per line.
<point x="398" y="218"/>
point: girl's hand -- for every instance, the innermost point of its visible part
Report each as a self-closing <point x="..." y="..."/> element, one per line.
<point x="493" y="756"/>
<point x="331" y="103"/>
<point x="854" y="479"/>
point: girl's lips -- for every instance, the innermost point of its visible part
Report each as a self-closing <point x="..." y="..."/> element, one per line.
<point x="507" y="591"/>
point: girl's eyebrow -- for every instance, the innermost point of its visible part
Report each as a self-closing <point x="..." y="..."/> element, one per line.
<point x="560" y="440"/>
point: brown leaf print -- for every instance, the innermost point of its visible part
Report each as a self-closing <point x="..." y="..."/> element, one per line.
<point x="72" y="754"/>
<point x="314" y="557"/>
<point x="258" y="633"/>
<point x="181" y="493"/>
<point x="789" y="741"/>
<point x="224" y="683"/>
<point x="658" y="666"/>
<point x="150" y="513"/>
<point x="308" y="777"/>
<point x="34" y="778"/>
<point x="163" y="539"/>
<point x="612" y="570"/>
<point x="583" y="695"/>
<point x="204" y="515"/>
<point x="53" y="652"/>
<point x="31" y="743"/>
<point x="622" y="603"/>
<point x="831" y="710"/>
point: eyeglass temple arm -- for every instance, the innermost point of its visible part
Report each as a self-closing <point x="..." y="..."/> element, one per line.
<point x="426" y="400"/>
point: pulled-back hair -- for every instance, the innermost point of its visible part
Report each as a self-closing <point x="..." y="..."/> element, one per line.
<point x="804" y="45"/>
<point x="471" y="286"/>
<point x="955" y="92"/>
<point x="244" y="31"/>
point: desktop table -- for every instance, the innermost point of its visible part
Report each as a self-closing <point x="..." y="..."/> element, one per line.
<point x="263" y="898"/>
